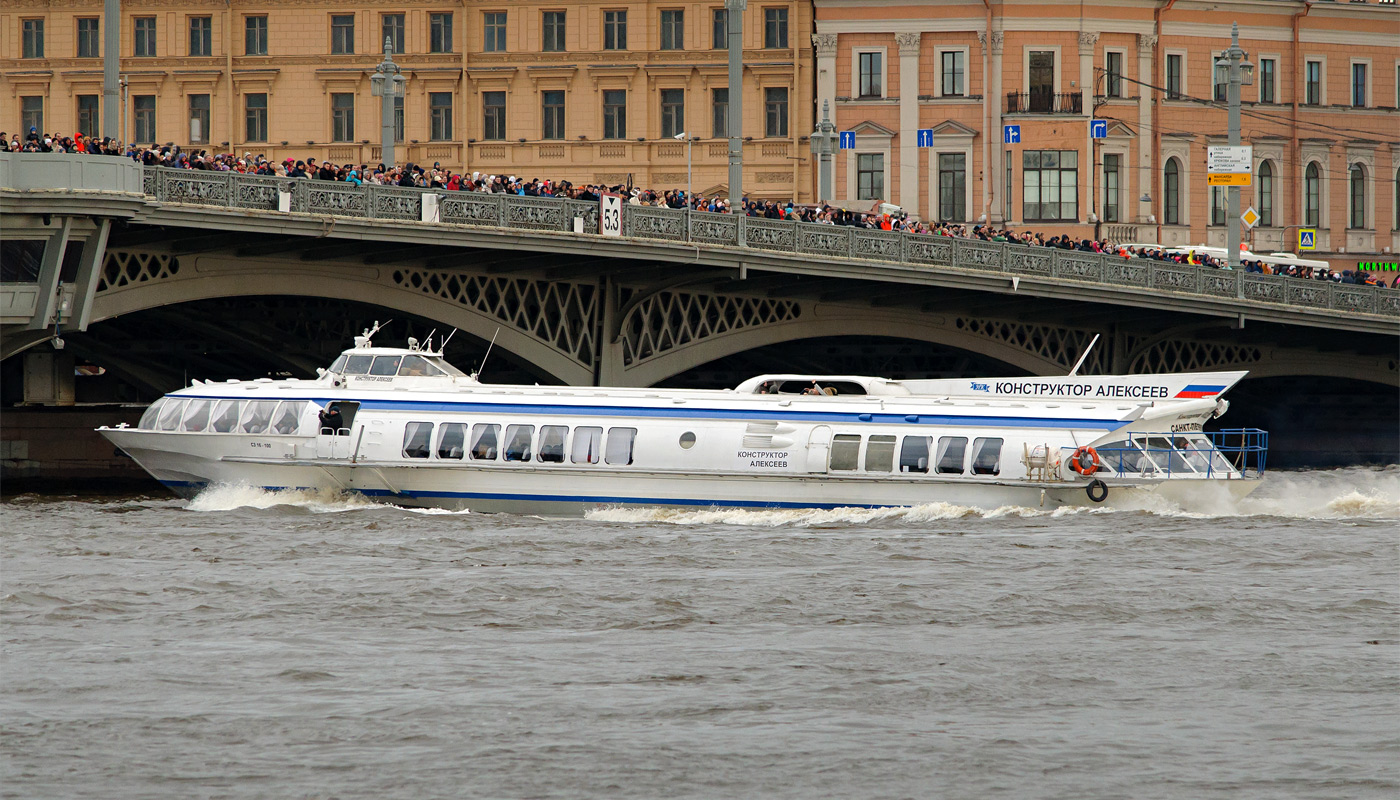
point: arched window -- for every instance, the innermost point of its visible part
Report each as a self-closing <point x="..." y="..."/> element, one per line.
<point x="1312" y="196"/>
<point x="1266" y="194"/>
<point x="1171" y="193"/>
<point x="1358" y="197"/>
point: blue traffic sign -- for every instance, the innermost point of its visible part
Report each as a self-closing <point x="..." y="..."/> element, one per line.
<point x="926" y="137"/>
<point x="1307" y="239"/>
<point x="1011" y="134"/>
<point x="1098" y="128"/>
<point x="848" y="140"/>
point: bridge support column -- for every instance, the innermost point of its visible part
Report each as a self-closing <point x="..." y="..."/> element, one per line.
<point x="89" y="272"/>
<point x="607" y="364"/>
<point x="50" y="268"/>
<point x="48" y="377"/>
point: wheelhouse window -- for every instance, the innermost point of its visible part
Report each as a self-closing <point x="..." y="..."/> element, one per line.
<point x="356" y="365"/>
<point x="587" y="445"/>
<point x="484" y="441"/>
<point x="150" y="415"/>
<point x="552" y="443"/>
<point x="620" y="441"/>
<point x="452" y="440"/>
<point x="879" y="454"/>
<point x="951" y="450"/>
<point x="986" y="456"/>
<point x="845" y="452"/>
<point x="418" y="367"/>
<point x="385" y="365"/>
<point x="256" y="416"/>
<point x="287" y="420"/>
<point x="518" y="438"/>
<point x="174" y="411"/>
<point x="913" y="454"/>
<point x="196" y="416"/>
<point x="416" y="439"/>
<point x="224" y="416"/>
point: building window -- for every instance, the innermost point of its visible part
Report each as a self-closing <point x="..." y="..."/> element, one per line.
<point x="33" y="45"/>
<point x="1266" y="195"/>
<point x="343" y="117"/>
<point x="1171" y="192"/>
<point x="493" y="26"/>
<point x="614" y="30"/>
<point x="720" y="23"/>
<point x="143" y="113"/>
<point x="719" y="105"/>
<point x="954" y="69"/>
<point x="1111" y="178"/>
<point x="673" y="30"/>
<point x="440" y="33"/>
<point x="554" y="32"/>
<point x="89" y="45"/>
<point x="952" y="187"/>
<point x="255" y="117"/>
<point x="343" y="34"/>
<point x="1358" y="85"/>
<point x="398" y="119"/>
<point x="1174" y="76"/>
<point x="440" y="116"/>
<point x="201" y="36"/>
<point x="1312" y="83"/>
<point x="1220" y="79"/>
<point x="775" y="112"/>
<point x="493" y="115"/>
<point x="1041" y="80"/>
<point x="1006" y="205"/>
<point x="1113" y="69"/>
<point x="775" y="28"/>
<point x="392" y="29"/>
<point x="870" y="176"/>
<point x="32" y="113"/>
<point x="614" y="113"/>
<point x="88" y="113"/>
<point x="199" y="119"/>
<point x="255" y="36"/>
<point x="1268" y="80"/>
<point x="1217" y="205"/>
<point x="871" y="74"/>
<point x="143" y="39"/>
<point x="1050" y="185"/>
<point x="672" y="112"/>
<point x="553" y="107"/>
<point x="1357" y="182"/>
<point x="1312" y="196"/>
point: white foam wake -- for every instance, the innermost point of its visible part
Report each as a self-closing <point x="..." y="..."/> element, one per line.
<point x="227" y="497"/>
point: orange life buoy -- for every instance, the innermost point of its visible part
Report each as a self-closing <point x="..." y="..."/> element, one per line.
<point x="1085" y="461"/>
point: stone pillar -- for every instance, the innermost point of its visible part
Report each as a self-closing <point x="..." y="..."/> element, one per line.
<point x="825" y="43"/>
<point x="909" y="195"/>
<point x="1147" y="47"/>
<point x="1088" y="40"/>
<point x="997" y="169"/>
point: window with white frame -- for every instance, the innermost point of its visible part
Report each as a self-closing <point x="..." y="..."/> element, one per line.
<point x="1360" y="83"/>
<point x="1171" y="192"/>
<point x="1312" y="82"/>
<point x="1113" y="73"/>
<point x="1268" y="80"/>
<point x="1049" y="185"/>
<point x="870" y="176"/>
<point x="870" y="74"/>
<point x="1356" y="192"/>
<point x="1174" y="76"/>
<point x="1112" y="176"/>
<point x="1312" y="195"/>
<point x="1265" y="194"/>
<point x="952" y="68"/>
<point x="952" y="187"/>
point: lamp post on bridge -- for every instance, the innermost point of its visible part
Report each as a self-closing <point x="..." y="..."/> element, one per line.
<point x="824" y="147"/>
<point x="387" y="82"/>
<point x="1232" y="66"/>
<point x="734" y="18"/>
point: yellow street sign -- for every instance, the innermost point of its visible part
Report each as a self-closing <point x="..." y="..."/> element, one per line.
<point x="1229" y="179"/>
<point x="1250" y="217"/>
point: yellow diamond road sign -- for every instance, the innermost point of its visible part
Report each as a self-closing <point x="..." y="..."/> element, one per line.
<point x="1250" y="217"/>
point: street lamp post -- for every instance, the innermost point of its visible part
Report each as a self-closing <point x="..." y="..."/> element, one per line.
<point x="824" y="147"/>
<point x="111" y="66"/>
<point x="734" y="17"/>
<point x="387" y="82"/>
<point x="1232" y="66"/>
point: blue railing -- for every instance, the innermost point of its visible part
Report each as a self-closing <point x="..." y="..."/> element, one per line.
<point x="1224" y="453"/>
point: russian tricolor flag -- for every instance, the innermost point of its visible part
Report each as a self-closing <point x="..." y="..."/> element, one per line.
<point x="1196" y="391"/>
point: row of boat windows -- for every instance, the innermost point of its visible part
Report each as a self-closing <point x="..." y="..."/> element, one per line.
<point x="1158" y="454"/>
<point x="485" y="441"/>
<point x="948" y="455"/>
<point x="225" y="416"/>
<point x="413" y="366"/>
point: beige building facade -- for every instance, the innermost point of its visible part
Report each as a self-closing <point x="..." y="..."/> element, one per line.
<point x="1321" y="115"/>
<point x="577" y="89"/>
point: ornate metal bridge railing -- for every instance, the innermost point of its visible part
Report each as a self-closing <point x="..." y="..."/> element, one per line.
<point x="370" y="201"/>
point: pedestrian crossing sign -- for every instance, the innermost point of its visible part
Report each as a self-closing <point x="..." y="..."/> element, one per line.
<point x="1307" y="239"/>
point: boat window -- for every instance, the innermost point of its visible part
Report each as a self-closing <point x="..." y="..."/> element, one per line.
<point x="687" y="440"/>
<point x="170" y="414"/>
<point x="287" y="420"/>
<point x="879" y="454"/>
<point x="1163" y="447"/>
<point x="845" y="451"/>
<point x="986" y="456"/>
<point x="196" y="416"/>
<point x="452" y="440"/>
<point x="1196" y="455"/>
<point x="357" y="365"/>
<point x="552" y="443"/>
<point x="1218" y="462"/>
<point x="518" y="442"/>
<point x="225" y="416"/>
<point x="620" y="445"/>
<point x="150" y="415"/>
<point x="446" y="367"/>
<point x="416" y="439"/>
<point x="586" y="445"/>
<point x="1120" y="456"/>
<point x="338" y="364"/>
<point x="913" y="455"/>
<point x="951" y="450"/>
<point x="385" y="365"/>
<point x="256" y="415"/>
<point x="418" y="366"/>
<point x="484" y="438"/>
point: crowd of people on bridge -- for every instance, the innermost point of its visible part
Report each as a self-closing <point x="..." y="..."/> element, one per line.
<point x="438" y="177"/>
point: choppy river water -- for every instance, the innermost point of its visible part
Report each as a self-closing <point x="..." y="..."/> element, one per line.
<point x="252" y="645"/>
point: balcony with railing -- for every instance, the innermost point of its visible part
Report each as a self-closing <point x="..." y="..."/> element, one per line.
<point x="1038" y="102"/>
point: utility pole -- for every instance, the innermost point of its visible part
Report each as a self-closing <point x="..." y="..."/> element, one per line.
<point x="111" y="66"/>
<point x="823" y="147"/>
<point x="734" y="16"/>
<point x="388" y="83"/>
<point x="1238" y="72"/>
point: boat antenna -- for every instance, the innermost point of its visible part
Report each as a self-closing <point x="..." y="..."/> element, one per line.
<point x="1080" y="362"/>
<point x="443" y="346"/>
<point x="488" y="352"/>
<point x="429" y="345"/>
